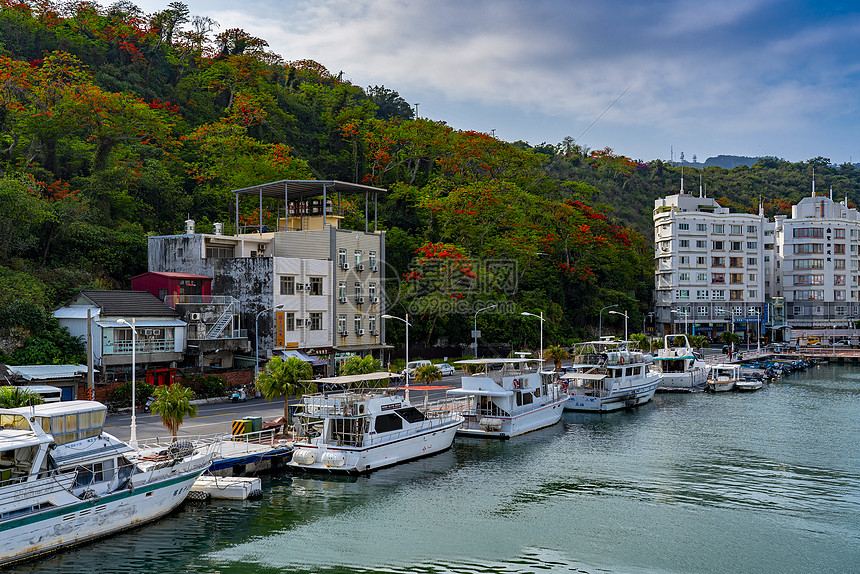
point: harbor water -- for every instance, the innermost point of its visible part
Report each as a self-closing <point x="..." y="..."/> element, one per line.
<point x="734" y="482"/>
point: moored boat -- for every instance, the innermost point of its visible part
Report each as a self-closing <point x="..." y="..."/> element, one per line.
<point x="748" y="384"/>
<point x="608" y="376"/>
<point x="360" y="430"/>
<point x="681" y="368"/>
<point x="63" y="480"/>
<point x="724" y="377"/>
<point x="508" y="401"/>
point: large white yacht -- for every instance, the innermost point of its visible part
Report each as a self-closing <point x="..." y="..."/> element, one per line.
<point x="359" y="430"/>
<point x="609" y="375"/>
<point x="508" y="397"/>
<point x="63" y="480"/>
<point x="682" y="368"/>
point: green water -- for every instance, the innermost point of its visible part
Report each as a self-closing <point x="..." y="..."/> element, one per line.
<point x="761" y="482"/>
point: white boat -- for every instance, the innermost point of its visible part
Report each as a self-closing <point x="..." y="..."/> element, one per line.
<point x="682" y="368"/>
<point x="608" y="376"/>
<point x="360" y="430"/>
<point x="747" y="384"/>
<point x="507" y="398"/>
<point x="63" y="480"/>
<point x="724" y="377"/>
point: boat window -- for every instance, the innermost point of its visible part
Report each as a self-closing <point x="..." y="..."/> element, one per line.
<point x="614" y="373"/>
<point x="17" y="422"/>
<point x="89" y="474"/>
<point x="388" y="422"/>
<point x="524" y="398"/>
<point x="411" y="414"/>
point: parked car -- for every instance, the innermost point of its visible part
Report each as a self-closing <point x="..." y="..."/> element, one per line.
<point x="409" y="371"/>
<point x="445" y="369"/>
<point x="842" y="343"/>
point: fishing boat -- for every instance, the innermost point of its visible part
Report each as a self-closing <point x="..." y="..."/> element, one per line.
<point x="359" y="430"/>
<point x="505" y="398"/>
<point x="724" y="377"/>
<point x="64" y="480"/>
<point x="681" y="367"/>
<point x="609" y="375"/>
<point x="748" y="384"/>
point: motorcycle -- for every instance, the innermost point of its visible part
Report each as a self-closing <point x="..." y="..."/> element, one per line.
<point x="148" y="404"/>
<point x="239" y="395"/>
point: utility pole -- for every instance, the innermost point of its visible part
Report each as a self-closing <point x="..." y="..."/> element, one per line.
<point x="416" y="110"/>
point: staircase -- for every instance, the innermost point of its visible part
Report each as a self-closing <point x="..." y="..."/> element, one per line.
<point x="223" y="320"/>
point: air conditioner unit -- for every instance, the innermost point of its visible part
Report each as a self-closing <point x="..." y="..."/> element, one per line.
<point x="374" y="332"/>
<point x="261" y="247"/>
<point x="374" y="268"/>
<point x="342" y="300"/>
<point x="147" y="331"/>
<point x="195" y="316"/>
<point x="343" y="333"/>
<point x="360" y="332"/>
<point x="300" y="287"/>
<point x="359" y="300"/>
<point x="360" y="267"/>
<point x="375" y="300"/>
<point x="307" y="286"/>
<point x="307" y="322"/>
<point x="345" y="266"/>
<point x="156" y="331"/>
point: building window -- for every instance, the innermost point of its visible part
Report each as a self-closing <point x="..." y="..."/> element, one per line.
<point x="289" y="321"/>
<point x="702" y="311"/>
<point x="219" y="252"/>
<point x="808" y="295"/>
<point x="839" y="295"/>
<point x="371" y="258"/>
<point x="839" y="279"/>
<point x="736" y="278"/>
<point x="718" y="261"/>
<point x="683" y="276"/>
<point x="701" y="227"/>
<point x="752" y="261"/>
<point x="683" y="294"/>
<point x="751" y="276"/>
<point x="358" y="291"/>
<point x="371" y="323"/>
<point x="719" y="228"/>
<point x="840" y="234"/>
<point x="701" y="260"/>
<point x="798" y="310"/>
<point x="738" y="311"/>
<point x="288" y="285"/>
<point x="718" y="278"/>
<point x="812" y="264"/>
<point x="808" y="232"/>
<point x="736" y="261"/>
<point x="719" y="294"/>
<point x="718" y="245"/>
<point x="719" y="311"/>
<point x="357" y="255"/>
<point x="752" y="294"/>
<point x="702" y="294"/>
<point x="701" y="244"/>
<point x="751" y="245"/>
<point x="800" y="248"/>
<point x="684" y="243"/>
<point x="316" y="286"/>
<point x="839" y="249"/>
<point x="684" y="226"/>
<point x="341" y="257"/>
<point x="684" y="260"/>
<point x="736" y="295"/>
<point x="341" y="324"/>
<point x="701" y="276"/>
<point x="809" y="279"/>
<point x="341" y="290"/>
<point x="754" y="311"/>
<point x="735" y="245"/>
<point x="736" y="229"/>
<point x="371" y="291"/>
<point x="356" y="323"/>
<point x="316" y="321"/>
<point x="752" y="229"/>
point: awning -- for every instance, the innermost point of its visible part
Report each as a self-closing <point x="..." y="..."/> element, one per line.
<point x="586" y="376"/>
<point x="143" y="323"/>
<point x="349" y="379"/>
<point x="315" y="361"/>
<point x="480" y="392"/>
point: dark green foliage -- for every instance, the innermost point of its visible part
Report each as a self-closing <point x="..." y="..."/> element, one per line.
<point x="206" y="386"/>
<point x="121" y="396"/>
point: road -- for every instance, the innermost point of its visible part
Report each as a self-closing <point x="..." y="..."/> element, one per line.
<point x="216" y="418"/>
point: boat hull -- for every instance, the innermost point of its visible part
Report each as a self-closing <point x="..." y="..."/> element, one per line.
<point x="614" y="401"/>
<point x="686" y="382"/>
<point x="59" y="527"/>
<point x="721" y="386"/>
<point x="359" y="460"/>
<point x="541" y="417"/>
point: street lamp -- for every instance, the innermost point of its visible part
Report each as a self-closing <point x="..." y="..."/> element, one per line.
<point x="257" y="339"/>
<point x="406" y="320"/>
<point x="475" y="331"/>
<point x="541" y="333"/>
<point x="624" y="314"/>
<point x="600" y="327"/>
<point x="133" y="435"/>
<point x="685" y="314"/>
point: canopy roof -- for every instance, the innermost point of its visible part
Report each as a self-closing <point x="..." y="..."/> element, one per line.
<point x="349" y="379"/>
<point x="495" y="361"/>
<point x="304" y="188"/>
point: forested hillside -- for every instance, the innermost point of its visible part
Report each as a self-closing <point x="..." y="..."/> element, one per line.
<point x="115" y="124"/>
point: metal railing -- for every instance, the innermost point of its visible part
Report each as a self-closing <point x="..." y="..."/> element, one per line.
<point x="124" y="347"/>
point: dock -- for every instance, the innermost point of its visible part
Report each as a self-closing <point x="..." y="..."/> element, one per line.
<point x="226" y="487"/>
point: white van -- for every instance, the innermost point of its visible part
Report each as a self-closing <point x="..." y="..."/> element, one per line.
<point x="409" y="371"/>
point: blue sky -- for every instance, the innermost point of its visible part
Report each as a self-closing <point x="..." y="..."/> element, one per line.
<point x="740" y="77"/>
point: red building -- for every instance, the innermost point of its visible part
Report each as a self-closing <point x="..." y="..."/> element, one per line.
<point x="167" y="285"/>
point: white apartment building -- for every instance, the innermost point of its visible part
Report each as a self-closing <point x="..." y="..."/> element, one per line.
<point x="816" y="263"/>
<point x="711" y="267"/>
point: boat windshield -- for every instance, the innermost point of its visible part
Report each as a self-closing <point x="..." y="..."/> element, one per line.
<point x="14" y="421"/>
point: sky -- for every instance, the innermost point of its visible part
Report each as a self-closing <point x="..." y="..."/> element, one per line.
<point x="649" y="79"/>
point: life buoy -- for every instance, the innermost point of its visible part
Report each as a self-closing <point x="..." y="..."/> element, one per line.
<point x="516" y="383"/>
<point x="622" y="360"/>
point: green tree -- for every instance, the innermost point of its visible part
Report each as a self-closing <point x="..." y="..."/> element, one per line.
<point x="12" y="397"/>
<point x="173" y="404"/>
<point x="556" y="354"/>
<point x="286" y="378"/>
<point x="360" y="365"/>
<point x="427" y="374"/>
<point x="699" y="341"/>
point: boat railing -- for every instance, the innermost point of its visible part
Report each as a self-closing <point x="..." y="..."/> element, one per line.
<point x="338" y="404"/>
<point x="215" y="443"/>
<point x="426" y="425"/>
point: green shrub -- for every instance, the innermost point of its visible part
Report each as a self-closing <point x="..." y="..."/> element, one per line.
<point x="206" y="386"/>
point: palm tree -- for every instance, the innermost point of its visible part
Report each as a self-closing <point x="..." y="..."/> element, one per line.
<point x="556" y="354"/>
<point x="173" y="403"/>
<point x="286" y="377"/>
<point x="362" y="366"/>
<point x="12" y="397"/>
<point x="699" y="341"/>
<point x="426" y="374"/>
